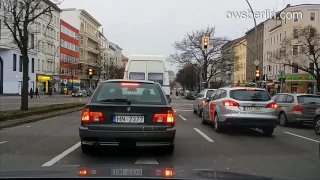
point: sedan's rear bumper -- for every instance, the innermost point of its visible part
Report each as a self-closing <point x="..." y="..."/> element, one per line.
<point x="250" y="122"/>
<point x="116" y="138"/>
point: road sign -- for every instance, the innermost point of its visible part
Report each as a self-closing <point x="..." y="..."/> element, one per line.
<point x="256" y="62"/>
<point x="65" y="81"/>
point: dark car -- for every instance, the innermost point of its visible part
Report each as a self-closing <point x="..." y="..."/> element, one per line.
<point x="191" y="95"/>
<point x="128" y="113"/>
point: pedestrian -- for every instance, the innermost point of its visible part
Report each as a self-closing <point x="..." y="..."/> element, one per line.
<point x="177" y="95"/>
<point x="50" y="92"/>
<point x="37" y="92"/>
<point x="44" y="91"/>
<point x="31" y="93"/>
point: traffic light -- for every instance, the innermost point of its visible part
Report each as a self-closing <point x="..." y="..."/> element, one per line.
<point x="257" y="73"/>
<point x="205" y="43"/>
<point x="90" y="72"/>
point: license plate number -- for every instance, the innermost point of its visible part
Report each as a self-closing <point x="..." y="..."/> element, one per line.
<point x="252" y="108"/>
<point x="128" y="119"/>
<point x="126" y="172"/>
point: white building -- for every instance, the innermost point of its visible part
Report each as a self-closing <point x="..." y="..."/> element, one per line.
<point x="117" y="54"/>
<point x="48" y="49"/>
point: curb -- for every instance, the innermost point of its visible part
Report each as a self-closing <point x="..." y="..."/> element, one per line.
<point x="17" y="122"/>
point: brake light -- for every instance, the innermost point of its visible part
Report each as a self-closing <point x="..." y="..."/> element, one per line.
<point x="129" y="84"/>
<point x="272" y="105"/>
<point x="251" y="89"/>
<point x="297" y="108"/>
<point x="88" y="116"/>
<point x="164" y="118"/>
<point x="203" y="102"/>
<point x="230" y="103"/>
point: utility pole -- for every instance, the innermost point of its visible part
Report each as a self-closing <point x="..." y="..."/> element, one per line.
<point x="255" y="40"/>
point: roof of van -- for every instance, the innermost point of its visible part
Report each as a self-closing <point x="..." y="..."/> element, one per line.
<point x="146" y="57"/>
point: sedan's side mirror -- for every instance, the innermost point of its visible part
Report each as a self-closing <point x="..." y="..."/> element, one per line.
<point x="208" y="100"/>
<point x="169" y="100"/>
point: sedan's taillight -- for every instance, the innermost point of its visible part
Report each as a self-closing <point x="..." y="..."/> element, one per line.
<point x="297" y="108"/>
<point x="230" y="103"/>
<point x="272" y="105"/>
<point x="88" y="116"/>
<point x="164" y="118"/>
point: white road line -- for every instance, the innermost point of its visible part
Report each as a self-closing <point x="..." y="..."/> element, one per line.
<point x="146" y="160"/>
<point x="182" y="118"/>
<point x="3" y="142"/>
<point x="203" y="135"/>
<point x="62" y="155"/>
<point x="174" y="111"/>
<point x="301" y="136"/>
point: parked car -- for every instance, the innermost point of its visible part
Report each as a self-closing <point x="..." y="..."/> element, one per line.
<point x="201" y="99"/>
<point x="80" y="93"/>
<point x="191" y="95"/>
<point x="296" y="108"/>
<point x="241" y="107"/>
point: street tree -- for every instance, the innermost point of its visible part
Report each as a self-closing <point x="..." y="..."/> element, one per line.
<point x="187" y="76"/>
<point x="189" y="51"/>
<point x="115" y="71"/>
<point x="300" y="51"/>
<point x="20" y="23"/>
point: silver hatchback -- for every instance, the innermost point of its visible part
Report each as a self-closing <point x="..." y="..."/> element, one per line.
<point x="246" y="107"/>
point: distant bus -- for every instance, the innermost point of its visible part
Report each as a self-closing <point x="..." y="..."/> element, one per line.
<point x="148" y="67"/>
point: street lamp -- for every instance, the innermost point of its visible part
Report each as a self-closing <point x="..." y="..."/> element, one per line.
<point x="54" y="60"/>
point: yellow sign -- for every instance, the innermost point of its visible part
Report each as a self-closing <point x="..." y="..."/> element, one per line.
<point x="44" y="78"/>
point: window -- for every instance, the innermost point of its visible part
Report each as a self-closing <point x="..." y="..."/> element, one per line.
<point x="295" y="67"/>
<point x="289" y="99"/>
<point x="137" y="76"/>
<point x="209" y="93"/>
<point x="308" y="99"/>
<point x="14" y="62"/>
<point x="20" y="64"/>
<point x="32" y="41"/>
<point x="143" y="93"/>
<point x="295" y="49"/>
<point x="311" y="65"/>
<point x="0" y="28"/>
<point x="295" y="19"/>
<point x="81" y="40"/>
<point x="249" y="95"/>
<point x="158" y="77"/>
<point x="295" y="33"/>
<point x="38" y="64"/>
<point x="311" y="49"/>
<point x="32" y="65"/>
<point x="312" y="16"/>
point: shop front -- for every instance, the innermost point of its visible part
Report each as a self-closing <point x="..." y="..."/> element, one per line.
<point x="44" y="82"/>
<point x="69" y="84"/>
<point x="298" y="83"/>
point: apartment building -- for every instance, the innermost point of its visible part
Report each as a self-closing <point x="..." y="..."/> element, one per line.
<point x="240" y="59"/>
<point x="89" y="40"/>
<point x="104" y="56"/>
<point x="69" y="56"/>
<point x="280" y="28"/>
<point x="254" y="51"/>
<point x="117" y="54"/>
<point x="42" y="41"/>
<point x="48" y="48"/>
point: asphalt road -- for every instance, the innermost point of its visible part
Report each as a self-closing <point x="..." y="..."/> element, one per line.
<point x="292" y="153"/>
<point x="14" y="102"/>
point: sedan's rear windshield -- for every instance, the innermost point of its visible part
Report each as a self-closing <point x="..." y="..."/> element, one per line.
<point x="308" y="99"/>
<point x="136" y="93"/>
<point x="250" y="95"/>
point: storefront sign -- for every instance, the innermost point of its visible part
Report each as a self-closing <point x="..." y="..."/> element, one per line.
<point x="297" y="77"/>
<point x="43" y="78"/>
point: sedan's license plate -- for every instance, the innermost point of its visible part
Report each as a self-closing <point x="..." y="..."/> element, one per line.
<point x="252" y="108"/>
<point x="128" y="119"/>
<point x="126" y="172"/>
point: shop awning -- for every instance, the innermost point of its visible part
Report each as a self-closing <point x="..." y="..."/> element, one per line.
<point x="69" y="84"/>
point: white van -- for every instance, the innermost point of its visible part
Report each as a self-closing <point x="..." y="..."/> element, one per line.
<point x="148" y="67"/>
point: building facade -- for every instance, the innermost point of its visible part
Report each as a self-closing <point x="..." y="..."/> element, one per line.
<point x="124" y="61"/>
<point x="48" y="48"/>
<point x="89" y="41"/>
<point x="117" y="54"/>
<point x="69" y="56"/>
<point x="240" y="52"/>
<point x="254" y="51"/>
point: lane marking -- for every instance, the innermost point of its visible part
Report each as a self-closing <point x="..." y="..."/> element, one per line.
<point x="62" y="155"/>
<point x="203" y="135"/>
<point x="182" y="118"/>
<point x="174" y="111"/>
<point x="3" y="142"/>
<point x="146" y="160"/>
<point x="301" y="136"/>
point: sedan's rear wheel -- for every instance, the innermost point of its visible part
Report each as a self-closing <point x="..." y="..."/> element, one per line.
<point x="217" y="126"/>
<point x="268" y="131"/>
<point x="86" y="149"/>
<point x="169" y="149"/>
<point x="283" y="121"/>
<point x="203" y="120"/>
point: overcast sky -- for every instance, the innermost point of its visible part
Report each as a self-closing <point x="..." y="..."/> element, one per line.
<point x="151" y="26"/>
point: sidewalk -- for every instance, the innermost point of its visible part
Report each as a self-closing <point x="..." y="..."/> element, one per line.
<point x="5" y="97"/>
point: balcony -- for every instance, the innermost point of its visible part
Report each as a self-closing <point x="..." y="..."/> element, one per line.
<point x="90" y="36"/>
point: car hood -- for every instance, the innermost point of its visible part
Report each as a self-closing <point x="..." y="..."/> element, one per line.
<point x="128" y="172"/>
